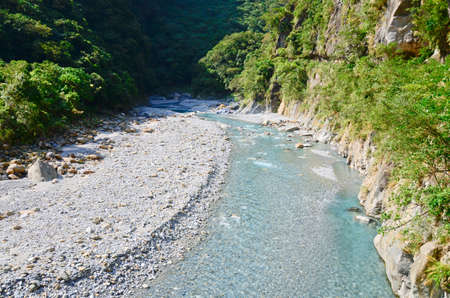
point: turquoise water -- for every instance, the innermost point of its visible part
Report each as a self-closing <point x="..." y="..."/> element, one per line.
<point x="281" y="228"/>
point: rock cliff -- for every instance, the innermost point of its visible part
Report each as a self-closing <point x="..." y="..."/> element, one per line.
<point x="397" y="27"/>
<point x="405" y="271"/>
<point x="332" y="69"/>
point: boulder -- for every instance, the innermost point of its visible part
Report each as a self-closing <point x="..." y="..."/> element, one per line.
<point x="148" y="130"/>
<point x="82" y="140"/>
<point x="41" y="171"/>
<point x="62" y="171"/>
<point x="50" y="155"/>
<point x="252" y="108"/>
<point x="354" y="209"/>
<point x="73" y="171"/>
<point x="421" y="261"/>
<point x="234" y="106"/>
<point x="13" y="177"/>
<point x="398" y="262"/>
<point x="324" y="136"/>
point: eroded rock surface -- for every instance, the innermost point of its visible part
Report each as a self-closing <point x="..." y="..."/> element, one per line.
<point x="397" y="27"/>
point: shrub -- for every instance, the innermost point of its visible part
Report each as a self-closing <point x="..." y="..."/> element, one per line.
<point x="438" y="274"/>
<point x="40" y="97"/>
<point x="432" y="21"/>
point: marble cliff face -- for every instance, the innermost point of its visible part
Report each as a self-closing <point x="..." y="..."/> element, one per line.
<point x="405" y="271"/>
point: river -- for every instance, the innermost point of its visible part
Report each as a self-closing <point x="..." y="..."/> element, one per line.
<point x="282" y="228"/>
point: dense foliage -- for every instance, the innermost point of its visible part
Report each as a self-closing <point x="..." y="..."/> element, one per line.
<point x="115" y="52"/>
<point x="63" y="57"/>
<point x="431" y="18"/>
<point x="182" y="31"/>
<point x="39" y="97"/>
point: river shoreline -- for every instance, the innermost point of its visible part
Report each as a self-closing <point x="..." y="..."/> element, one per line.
<point x="108" y="232"/>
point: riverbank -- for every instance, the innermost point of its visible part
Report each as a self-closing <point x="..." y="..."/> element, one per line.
<point x="112" y="226"/>
<point x="407" y="270"/>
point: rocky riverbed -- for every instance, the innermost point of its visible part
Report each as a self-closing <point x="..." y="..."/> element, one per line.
<point x="109" y="224"/>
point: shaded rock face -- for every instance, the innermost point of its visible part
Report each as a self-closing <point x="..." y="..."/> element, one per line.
<point x="285" y="28"/>
<point x="287" y="23"/>
<point x="41" y="171"/>
<point x="334" y="26"/>
<point x="397" y="27"/>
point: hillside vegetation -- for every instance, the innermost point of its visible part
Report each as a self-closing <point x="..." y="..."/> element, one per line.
<point x="60" y="60"/>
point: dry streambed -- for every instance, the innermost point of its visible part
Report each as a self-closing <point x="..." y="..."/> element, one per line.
<point x="132" y="200"/>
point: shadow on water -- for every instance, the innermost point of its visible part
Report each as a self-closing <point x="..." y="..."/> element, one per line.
<point x="281" y="229"/>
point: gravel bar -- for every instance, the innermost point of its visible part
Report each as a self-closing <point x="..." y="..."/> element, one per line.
<point x="108" y="233"/>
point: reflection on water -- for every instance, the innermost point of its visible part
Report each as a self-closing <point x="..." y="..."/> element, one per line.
<point x="281" y="229"/>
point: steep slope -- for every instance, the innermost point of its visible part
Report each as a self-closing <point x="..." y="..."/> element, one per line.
<point x="371" y="77"/>
<point x="182" y="31"/>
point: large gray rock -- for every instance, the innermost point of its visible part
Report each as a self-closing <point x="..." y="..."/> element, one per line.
<point x="324" y="135"/>
<point x="252" y="108"/>
<point x="398" y="263"/>
<point x="397" y="27"/>
<point x="373" y="192"/>
<point x="41" y="171"/>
